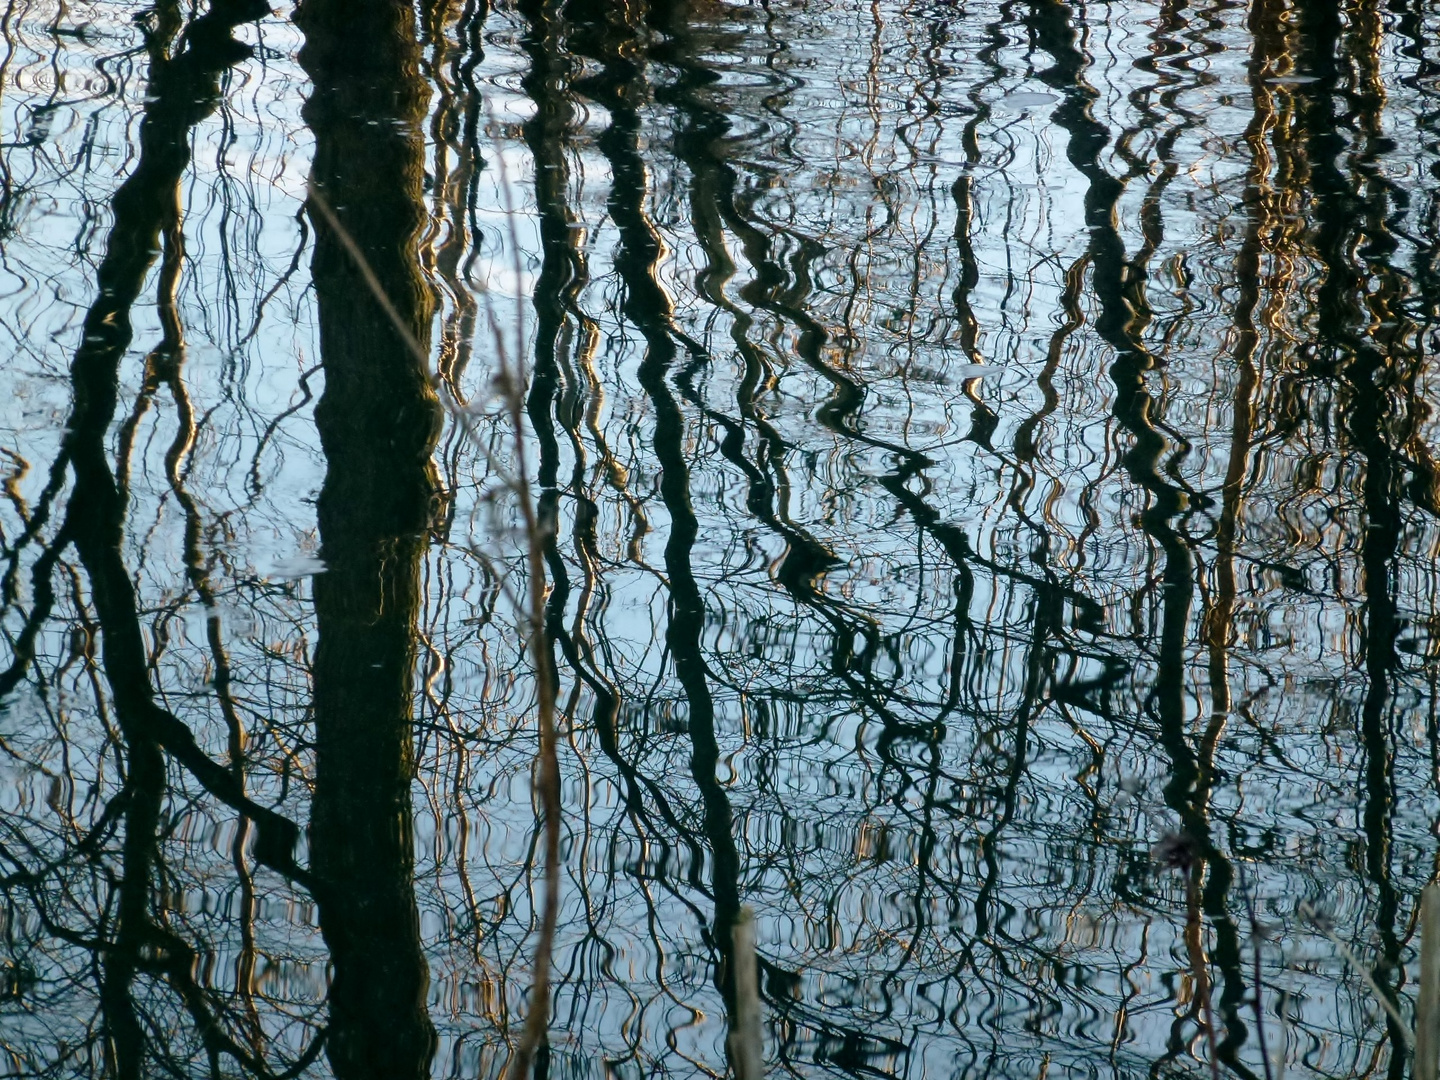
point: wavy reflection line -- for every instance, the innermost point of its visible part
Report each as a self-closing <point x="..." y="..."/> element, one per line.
<point x="1122" y="306"/>
<point x="183" y="91"/>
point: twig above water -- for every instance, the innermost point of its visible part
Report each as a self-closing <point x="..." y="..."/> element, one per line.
<point x="1315" y="919"/>
<point x="547" y="769"/>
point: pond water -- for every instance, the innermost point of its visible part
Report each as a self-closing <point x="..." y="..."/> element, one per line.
<point x="983" y="474"/>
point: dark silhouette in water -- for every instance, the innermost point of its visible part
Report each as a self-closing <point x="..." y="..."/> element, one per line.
<point x="377" y="420"/>
<point x="183" y="90"/>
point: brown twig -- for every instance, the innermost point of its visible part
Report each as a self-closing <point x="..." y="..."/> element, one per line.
<point x="547" y="773"/>
<point x="1180" y="852"/>
<point x="1313" y="917"/>
<point x="1256" y="936"/>
<point x="1197" y="963"/>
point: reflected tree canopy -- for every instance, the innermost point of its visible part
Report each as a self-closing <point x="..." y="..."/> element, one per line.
<point x="965" y="474"/>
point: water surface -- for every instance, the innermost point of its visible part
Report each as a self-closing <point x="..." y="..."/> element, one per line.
<point x="986" y="466"/>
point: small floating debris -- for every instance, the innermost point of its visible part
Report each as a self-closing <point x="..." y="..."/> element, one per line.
<point x="1026" y="99"/>
<point x="300" y="566"/>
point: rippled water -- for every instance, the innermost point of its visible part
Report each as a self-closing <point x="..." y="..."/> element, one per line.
<point x="984" y="458"/>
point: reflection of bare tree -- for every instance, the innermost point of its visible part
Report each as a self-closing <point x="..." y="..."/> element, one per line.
<point x="380" y="544"/>
<point x="1374" y="371"/>
<point x="963" y="457"/>
<point x="133" y="941"/>
<point x="1119" y="285"/>
<point x="603" y="35"/>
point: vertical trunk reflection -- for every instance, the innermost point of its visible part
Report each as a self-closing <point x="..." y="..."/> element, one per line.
<point x="377" y="420"/>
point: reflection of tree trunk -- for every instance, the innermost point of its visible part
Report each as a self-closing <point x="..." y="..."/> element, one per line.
<point x="601" y="33"/>
<point x="1363" y="337"/>
<point x="377" y="420"/>
<point x="181" y="93"/>
<point x="1267" y="51"/>
<point x="1118" y="283"/>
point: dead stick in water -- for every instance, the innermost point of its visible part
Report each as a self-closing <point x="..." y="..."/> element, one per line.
<point x="747" y="1049"/>
<point x="1427" y="1009"/>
